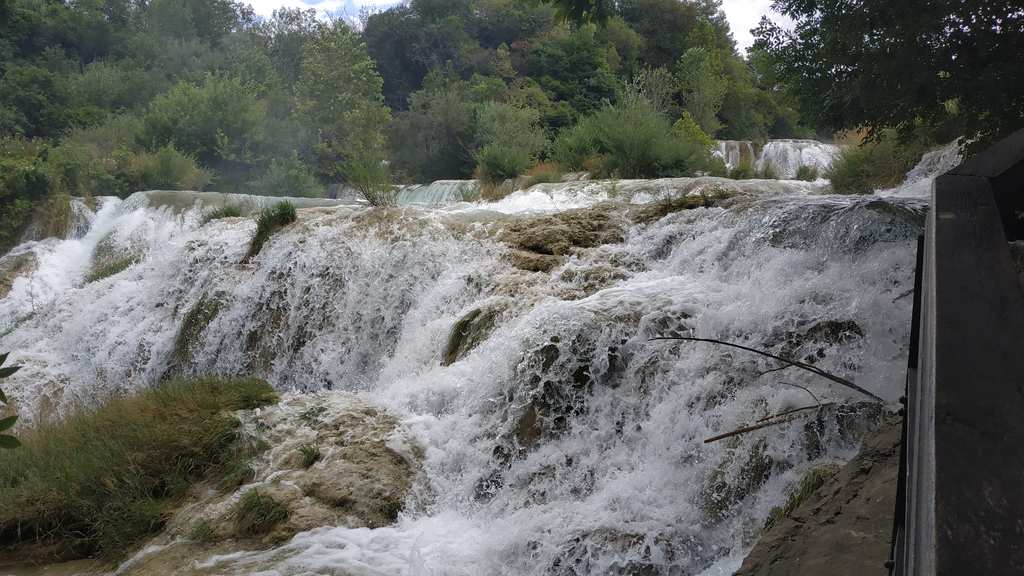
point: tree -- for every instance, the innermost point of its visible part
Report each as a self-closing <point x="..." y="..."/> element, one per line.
<point x="880" y="64"/>
<point x="703" y="85"/>
<point x="339" y="94"/>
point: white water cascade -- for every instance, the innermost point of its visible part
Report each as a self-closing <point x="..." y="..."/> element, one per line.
<point x="781" y="158"/>
<point x="618" y="479"/>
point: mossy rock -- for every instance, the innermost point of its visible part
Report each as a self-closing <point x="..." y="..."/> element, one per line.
<point x="814" y="479"/>
<point x="554" y="236"/>
<point x="110" y="258"/>
<point x="649" y="213"/>
<point x="14" y="267"/>
<point x="193" y="326"/>
<point x="469" y="331"/>
<point x="724" y="489"/>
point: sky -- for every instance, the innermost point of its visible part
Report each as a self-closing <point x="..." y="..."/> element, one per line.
<point x="743" y="14"/>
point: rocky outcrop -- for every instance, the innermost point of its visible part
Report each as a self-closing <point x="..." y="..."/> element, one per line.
<point x="331" y="460"/>
<point x="470" y="330"/>
<point x="844" y="527"/>
<point x="14" y="266"/>
<point x="540" y="243"/>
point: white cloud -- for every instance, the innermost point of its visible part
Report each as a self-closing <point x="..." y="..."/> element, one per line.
<point x="744" y="15"/>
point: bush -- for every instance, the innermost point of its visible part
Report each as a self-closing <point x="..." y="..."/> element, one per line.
<point x="104" y="478"/>
<point x="271" y="220"/>
<point x="509" y="140"/>
<point x="257" y="513"/>
<point x="288" y="177"/>
<point x="807" y="173"/>
<point x="546" y="173"/>
<point x="23" y="184"/>
<point x="743" y="171"/>
<point x="165" y="169"/>
<point x="632" y="140"/>
<point x="870" y="166"/>
<point x="369" y="175"/>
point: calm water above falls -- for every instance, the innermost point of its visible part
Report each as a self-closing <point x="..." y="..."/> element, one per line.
<point x="617" y="478"/>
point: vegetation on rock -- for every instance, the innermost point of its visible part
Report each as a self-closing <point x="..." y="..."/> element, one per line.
<point x="269" y="221"/>
<point x="104" y="477"/>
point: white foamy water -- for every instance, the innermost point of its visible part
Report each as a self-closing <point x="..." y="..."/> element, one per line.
<point x="783" y="158"/>
<point x="618" y="478"/>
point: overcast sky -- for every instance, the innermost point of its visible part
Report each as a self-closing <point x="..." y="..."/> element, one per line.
<point x="743" y="14"/>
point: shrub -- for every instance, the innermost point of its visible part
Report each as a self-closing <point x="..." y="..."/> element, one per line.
<point x="23" y="183"/>
<point x="257" y="513"/>
<point x="807" y="173"/>
<point x="165" y="169"/>
<point x="743" y="171"/>
<point x="106" y="477"/>
<point x="633" y="140"/>
<point x="369" y="175"/>
<point x="509" y="139"/>
<point x="288" y="177"/>
<point x="546" y="173"/>
<point x="271" y="220"/>
<point x="873" y="165"/>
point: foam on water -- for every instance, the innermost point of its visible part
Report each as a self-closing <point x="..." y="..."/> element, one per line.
<point x="350" y="298"/>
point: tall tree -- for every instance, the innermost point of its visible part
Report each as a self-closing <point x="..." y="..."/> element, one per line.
<point x="880" y="64"/>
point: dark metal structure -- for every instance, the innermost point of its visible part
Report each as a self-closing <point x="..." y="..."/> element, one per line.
<point x="960" y="505"/>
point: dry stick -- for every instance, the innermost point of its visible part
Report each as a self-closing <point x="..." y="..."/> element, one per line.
<point x="808" y="367"/>
<point x="788" y="416"/>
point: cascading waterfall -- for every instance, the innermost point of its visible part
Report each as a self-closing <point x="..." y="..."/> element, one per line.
<point x="566" y="443"/>
<point x="780" y="158"/>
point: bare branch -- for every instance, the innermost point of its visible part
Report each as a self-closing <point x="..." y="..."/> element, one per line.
<point x="798" y="364"/>
<point x="782" y="418"/>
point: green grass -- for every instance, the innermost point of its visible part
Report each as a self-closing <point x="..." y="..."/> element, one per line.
<point x="110" y="268"/>
<point x="202" y="532"/>
<point x="104" y="478"/>
<point x="808" y="485"/>
<point x="257" y="513"/>
<point x="226" y="211"/>
<point x="874" y="165"/>
<point x="310" y="454"/>
<point x="271" y="220"/>
<point x="807" y="173"/>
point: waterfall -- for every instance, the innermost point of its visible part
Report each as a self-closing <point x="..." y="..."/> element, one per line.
<point x="780" y="158"/>
<point x="566" y="442"/>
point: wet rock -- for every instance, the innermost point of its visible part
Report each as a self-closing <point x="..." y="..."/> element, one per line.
<point x="111" y="256"/>
<point x="844" y="527"/>
<point x="618" y="553"/>
<point x="14" y="266"/>
<point x="738" y="475"/>
<point x="843" y="425"/>
<point x="540" y="242"/>
<point x="809" y="344"/>
<point x="362" y="479"/>
<point x="470" y="330"/>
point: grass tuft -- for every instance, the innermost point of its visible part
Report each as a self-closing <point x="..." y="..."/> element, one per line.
<point x="257" y="513"/>
<point x="271" y="220"/>
<point x="310" y="455"/>
<point x="807" y="173"/>
<point x="808" y="485"/>
<point x="110" y="268"/>
<point x="104" y="478"/>
<point x="202" y="532"/>
<point x="226" y="211"/>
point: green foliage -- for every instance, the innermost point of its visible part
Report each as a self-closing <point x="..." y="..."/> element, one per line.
<point x="802" y="492"/>
<point x="257" y="513"/>
<point x="370" y="176"/>
<point x="202" y="532"/>
<point x="288" y="177"/>
<point x="873" y="165"/>
<point x="687" y="128"/>
<point x="703" y="86"/>
<point x="631" y="140"/>
<point x="103" y="478"/>
<point x="345" y="103"/>
<point x="215" y="120"/>
<point x="509" y="141"/>
<point x="918" y="59"/>
<point x="807" y="173"/>
<point x="226" y="211"/>
<point x="546" y="173"/>
<point x="7" y="442"/>
<point x="269" y="221"/>
<point x="23" y="182"/>
<point x="110" y="268"/>
<point x="309" y="455"/>
<point x="743" y="171"/>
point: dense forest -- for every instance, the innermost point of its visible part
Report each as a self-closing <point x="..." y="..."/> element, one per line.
<point x="106" y="97"/>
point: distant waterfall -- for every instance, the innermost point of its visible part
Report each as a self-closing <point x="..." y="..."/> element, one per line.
<point x="780" y="158"/>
